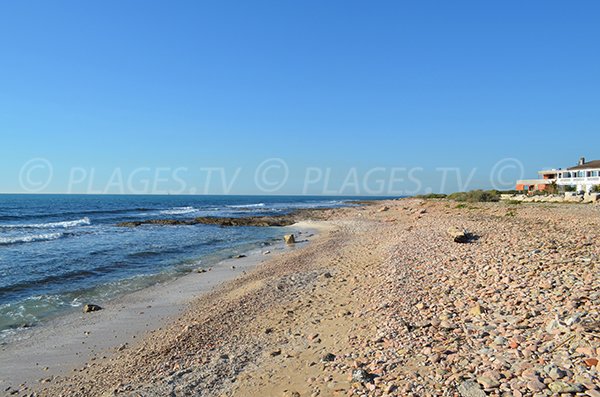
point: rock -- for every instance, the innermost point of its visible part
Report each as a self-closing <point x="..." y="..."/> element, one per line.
<point x="447" y="325"/>
<point x="239" y="256"/>
<point x="262" y="221"/>
<point x="563" y="387"/>
<point x="487" y="382"/>
<point x="470" y="389"/>
<point x="554" y="372"/>
<point x="383" y="209"/>
<point x="555" y="327"/>
<point x="476" y="310"/>
<point x="458" y="235"/>
<point x="328" y="358"/>
<point x="275" y="353"/>
<point x="289" y="239"/>
<point x="200" y="270"/>
<point x="535" y="385"/>
<point x="267" y="252"/>
<point x="361" y="376"/>
<point x="91" y="308"/>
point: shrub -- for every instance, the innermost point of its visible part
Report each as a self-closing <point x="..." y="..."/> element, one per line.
<point x="476" y="196"/>
<point x="596" y="189"/>
<point x="432" y="196"/>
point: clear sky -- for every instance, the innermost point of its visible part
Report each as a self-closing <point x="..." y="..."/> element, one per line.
<point x="101" y="89"/>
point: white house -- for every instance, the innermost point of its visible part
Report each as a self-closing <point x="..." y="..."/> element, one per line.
<point x="584" y="176"/>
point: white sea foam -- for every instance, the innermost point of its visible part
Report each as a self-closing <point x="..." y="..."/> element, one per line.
<point x="179" y="211"/>
<point x="50" y="225"/>
<point x="258" y="205"/>
<point x="29" y="239"/>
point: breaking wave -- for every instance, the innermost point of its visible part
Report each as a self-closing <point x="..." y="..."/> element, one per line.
<point x="50" y="225"/>
<point x="30" y="239"/>
<point x="179" y="211"/>
<point x="258" y="205"/>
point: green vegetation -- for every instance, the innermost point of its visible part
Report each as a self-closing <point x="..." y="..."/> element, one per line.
<point x="432" y="196"/>
<point x="596" y="189"/>
<point x="476" y="196"/>
<point x="568" y="188"/>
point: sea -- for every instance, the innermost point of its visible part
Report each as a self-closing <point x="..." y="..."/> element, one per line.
<point x="58" y="252"/>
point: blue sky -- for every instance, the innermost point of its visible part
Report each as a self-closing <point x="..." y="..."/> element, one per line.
<point x="338" y="86"/>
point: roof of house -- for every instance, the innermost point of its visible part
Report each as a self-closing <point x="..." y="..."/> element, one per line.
<point x="587" y="165"/>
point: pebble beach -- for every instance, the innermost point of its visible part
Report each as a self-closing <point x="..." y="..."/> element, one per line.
<point x="384" y="302"/>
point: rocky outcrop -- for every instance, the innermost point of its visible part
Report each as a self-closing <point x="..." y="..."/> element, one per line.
<point x="289" y="239"/>
<point x="263" y="221"/>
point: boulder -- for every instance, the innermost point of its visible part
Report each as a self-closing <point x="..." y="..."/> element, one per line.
<point x="591" y="198"/>
<point x="289" y="239"/>
<point x="459" y="235"/>
<point x="573" y="197"/>
<point x="91" y="308"/>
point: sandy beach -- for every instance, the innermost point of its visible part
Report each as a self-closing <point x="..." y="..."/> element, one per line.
<point x="382" y="302"/>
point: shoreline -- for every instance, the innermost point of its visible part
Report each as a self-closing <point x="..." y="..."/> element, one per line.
<point x="57" y="347"/>
<point x="387" y="303"/>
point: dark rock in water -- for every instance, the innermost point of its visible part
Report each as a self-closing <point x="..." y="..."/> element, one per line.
<point x="91" y="308"/>
<point x="263" y="221"/>
<point x="328" y="357"/>
<point x="361" y="376"/>
<point x="239" y="256"/>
